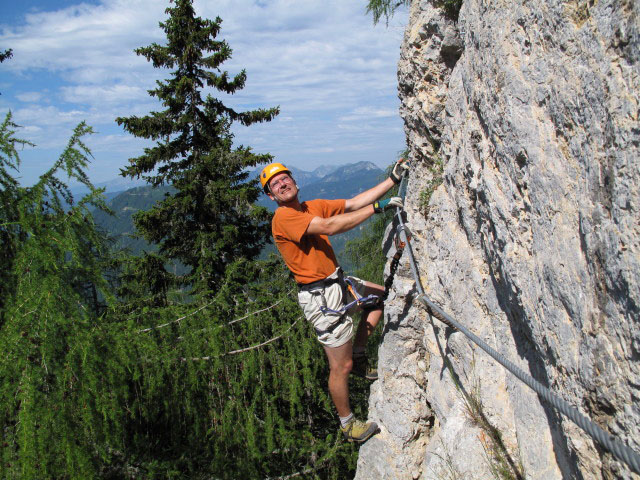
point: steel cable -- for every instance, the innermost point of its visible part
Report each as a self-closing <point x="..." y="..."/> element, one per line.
<point x="620" y="450"/>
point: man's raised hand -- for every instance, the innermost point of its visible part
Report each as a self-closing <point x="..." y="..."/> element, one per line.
<point x="399" y="169"/>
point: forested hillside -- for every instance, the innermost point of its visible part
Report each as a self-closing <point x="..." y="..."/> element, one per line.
<point x="118" y="224"/>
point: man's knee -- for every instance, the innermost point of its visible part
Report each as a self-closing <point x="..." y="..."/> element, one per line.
<point x="342" y="368"/>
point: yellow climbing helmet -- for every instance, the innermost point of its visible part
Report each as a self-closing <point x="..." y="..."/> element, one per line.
<point x="269" y="172"/>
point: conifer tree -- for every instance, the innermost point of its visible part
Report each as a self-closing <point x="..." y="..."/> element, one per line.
<point x="10" y="232"/>
<point x="211" y="220"/>
<point x="49" y="295"/>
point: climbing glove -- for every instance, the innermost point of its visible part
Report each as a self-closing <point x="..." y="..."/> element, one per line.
<point x="399" y="169"/>
<point x="382" y="205"/>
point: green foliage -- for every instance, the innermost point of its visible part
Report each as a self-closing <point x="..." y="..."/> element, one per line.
<point x="6" y="55"/>
<point x="211" y="220"/>
<point x="10" y="232"/>
<point x="36" y="216"/>
<point x="226" y="386"/>
<point x="221" y="392"/>
<point x="51" y="296"/>
<point x="384" y="8"/>
<point x="436" y="169"/>
<point x="229" y="387"/>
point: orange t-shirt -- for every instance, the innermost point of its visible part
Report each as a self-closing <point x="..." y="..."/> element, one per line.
<point x="309" y="257"/>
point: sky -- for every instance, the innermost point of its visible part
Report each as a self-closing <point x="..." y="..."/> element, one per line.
<point x="323" y="62"/>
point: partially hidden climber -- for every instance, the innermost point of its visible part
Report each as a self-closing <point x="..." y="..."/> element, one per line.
<point x="326" y="294"/>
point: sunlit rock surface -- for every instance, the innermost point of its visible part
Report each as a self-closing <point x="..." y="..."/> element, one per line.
<point x="532" y="240"/>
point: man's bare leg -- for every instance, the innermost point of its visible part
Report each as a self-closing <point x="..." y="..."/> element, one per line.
<point x="340" y="364"/>
<point x="369" y="319"/>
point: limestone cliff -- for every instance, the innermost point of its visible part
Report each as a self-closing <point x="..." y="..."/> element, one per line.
<point x="524" y="202"/>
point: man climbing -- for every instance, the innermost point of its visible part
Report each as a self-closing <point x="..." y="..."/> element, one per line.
<point x="300" y="231"/>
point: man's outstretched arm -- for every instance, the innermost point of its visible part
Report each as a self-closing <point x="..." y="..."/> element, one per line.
<point x="346" y="221"/>
<point x="369" y="196"/>
<point x="339" y="223"/>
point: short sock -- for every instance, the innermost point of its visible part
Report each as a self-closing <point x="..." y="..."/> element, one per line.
<point x="345" y="420"/>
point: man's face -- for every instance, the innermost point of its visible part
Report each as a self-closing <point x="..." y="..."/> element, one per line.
<point x="282" y="188"/>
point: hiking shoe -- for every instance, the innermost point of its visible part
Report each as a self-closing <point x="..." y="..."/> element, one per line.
<point x="361" y="368"/>
<point x="357" y="431"/>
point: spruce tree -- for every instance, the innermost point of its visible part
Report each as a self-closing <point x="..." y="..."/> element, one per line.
<point x="211" y="220"/>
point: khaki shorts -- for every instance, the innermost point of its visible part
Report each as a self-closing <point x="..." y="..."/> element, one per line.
<point x="331" y="297"/>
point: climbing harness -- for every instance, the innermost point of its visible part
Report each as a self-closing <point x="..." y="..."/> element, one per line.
<point x="317" y="288"/>
<point x="325" y="282"/>
<point x="366" y="303"/>
<point x="616" y="447"/>
<point x="370" y="302"/>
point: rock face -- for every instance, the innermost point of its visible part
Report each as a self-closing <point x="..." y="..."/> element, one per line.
<point x="522" y="118"/>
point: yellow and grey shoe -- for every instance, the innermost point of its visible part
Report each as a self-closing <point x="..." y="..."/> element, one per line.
<point x="358" y="431"/>
<point x="361" y="368"/>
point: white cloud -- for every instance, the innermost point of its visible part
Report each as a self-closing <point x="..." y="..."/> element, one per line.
<point x="32" y="130"/>
<point x="101" y="94"/>
<point x="29" y="97"/>
<point x="45" y="116"/>
<point x="360" y="114"/>
<point x="50" y="127"/>
<point x="116" y="143"/>
<point x="83" y="36"/>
